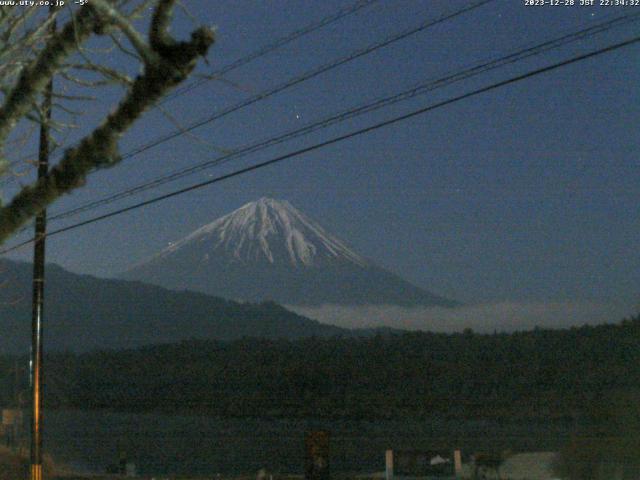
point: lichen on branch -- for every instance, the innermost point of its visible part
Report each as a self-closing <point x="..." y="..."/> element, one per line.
<point x="167" y="63"/>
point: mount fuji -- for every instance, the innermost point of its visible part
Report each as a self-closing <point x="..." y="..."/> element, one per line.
<point x="269" y="250"/>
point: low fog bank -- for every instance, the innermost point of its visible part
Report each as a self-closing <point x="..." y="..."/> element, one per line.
<point x="487" y="318"/>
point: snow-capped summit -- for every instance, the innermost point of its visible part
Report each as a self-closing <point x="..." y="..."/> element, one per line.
<point x="268" y="250"/>
<point x="269" y="230"/>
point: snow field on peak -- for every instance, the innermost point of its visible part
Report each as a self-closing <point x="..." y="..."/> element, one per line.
<point x="268" y="229"/>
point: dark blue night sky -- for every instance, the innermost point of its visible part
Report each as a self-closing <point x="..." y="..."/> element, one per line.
<point x="524" y="194"/>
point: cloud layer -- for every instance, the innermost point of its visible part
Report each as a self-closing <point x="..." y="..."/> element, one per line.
<point x="501" y="317"/>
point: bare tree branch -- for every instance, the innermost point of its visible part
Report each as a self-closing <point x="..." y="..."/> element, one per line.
<point x="107" y="11"/>
<point x="166" y="61"/>
<point x="35" y="77"/>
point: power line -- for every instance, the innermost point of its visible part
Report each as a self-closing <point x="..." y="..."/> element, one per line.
<point x="340" y="138"/>
<point x="296" y="80"/>
<point x="280" y="42"/>
<point x="306" y="76"/>
<point x="353" y="112"/>
<point x="359" y="5"/>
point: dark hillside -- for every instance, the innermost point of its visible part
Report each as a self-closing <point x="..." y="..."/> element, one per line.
<point x="85" y="313"/>
<point x="542" y="374"/>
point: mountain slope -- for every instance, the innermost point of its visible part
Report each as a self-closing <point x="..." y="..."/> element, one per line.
<point x="269" y="250"/>
<point x="84" y="313"/>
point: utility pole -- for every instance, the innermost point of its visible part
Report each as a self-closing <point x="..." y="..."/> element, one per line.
<point x="16" y="384"/>
<point x="38" y="286"/>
